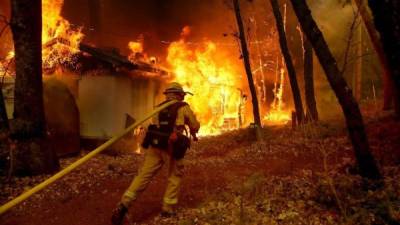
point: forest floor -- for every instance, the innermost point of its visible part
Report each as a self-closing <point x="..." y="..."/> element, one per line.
<point x="302" y="176"/>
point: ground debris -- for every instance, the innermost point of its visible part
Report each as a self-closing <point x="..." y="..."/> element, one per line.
<point x="288" y="178"/>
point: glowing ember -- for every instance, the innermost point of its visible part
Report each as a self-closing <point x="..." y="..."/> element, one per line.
<point x="215" y="83"/>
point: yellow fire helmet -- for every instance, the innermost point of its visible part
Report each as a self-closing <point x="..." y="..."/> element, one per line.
<point x="175" y="87"/>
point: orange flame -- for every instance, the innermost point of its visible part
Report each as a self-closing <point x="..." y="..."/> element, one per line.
<point x="213" y="80"/>
<point x="60" y="41"/>
<point x="277" y="115"/>
<point x="136" y="48"/>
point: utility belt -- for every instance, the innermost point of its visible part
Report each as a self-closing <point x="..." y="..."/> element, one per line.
<point x="160" y="139"/>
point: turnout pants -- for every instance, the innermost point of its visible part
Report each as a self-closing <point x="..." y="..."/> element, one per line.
<point x="154" y="159"/>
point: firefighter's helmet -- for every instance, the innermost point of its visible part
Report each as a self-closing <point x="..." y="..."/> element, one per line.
<point x="175" y="87"/>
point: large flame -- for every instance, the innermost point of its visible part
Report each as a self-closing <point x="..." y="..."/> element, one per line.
<point x="216" y="85"/>
<point x="60" y="41"/>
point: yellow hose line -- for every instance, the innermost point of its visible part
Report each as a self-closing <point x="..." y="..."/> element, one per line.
<point x="79" y="162"/>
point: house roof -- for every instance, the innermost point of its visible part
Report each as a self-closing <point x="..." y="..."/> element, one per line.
<point x="113" y="58"/>
<point x="91" y="58"/>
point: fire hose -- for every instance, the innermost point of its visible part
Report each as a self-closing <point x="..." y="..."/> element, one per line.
<point x="4" y="208"/>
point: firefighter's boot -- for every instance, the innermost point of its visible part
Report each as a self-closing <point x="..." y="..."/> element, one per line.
<point x="168" y="210"/>
<point x="118" y="214"/>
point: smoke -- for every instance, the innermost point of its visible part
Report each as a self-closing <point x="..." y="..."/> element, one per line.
<point x="334" y="18"/>
<point x="159" y="21"/>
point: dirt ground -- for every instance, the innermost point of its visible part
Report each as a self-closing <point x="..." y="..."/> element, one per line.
<point x="219" y="172"/>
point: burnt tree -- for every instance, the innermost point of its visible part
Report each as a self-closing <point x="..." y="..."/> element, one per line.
<point x="246" y="60"/>
<point x="387" y="21"/>
<point x="312" y="112"/>
<point x="288" y="61"/>
<point x="28" y="127"/>
<point x="354" y="120"/>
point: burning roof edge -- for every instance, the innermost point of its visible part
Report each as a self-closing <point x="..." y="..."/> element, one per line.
<point x="118" y="61"/>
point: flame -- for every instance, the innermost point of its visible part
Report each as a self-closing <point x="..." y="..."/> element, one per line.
<point x="10" y="55"/>
<point x="277" y="115"/>
<point x="135" y="47"/>
<point x="60" y="41"/>
<point x="215" y="83"/>
<point x="5" y="64"/>
<point x="136" y="54"/>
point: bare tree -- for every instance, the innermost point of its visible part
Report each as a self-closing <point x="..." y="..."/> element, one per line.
<point x="28" y="128"/>
<point x="288" y="61"/>
<point x="246" y="61"/>
<point x="387" y="22"/>
<point x="351" y="110"/>
<point x="374" y="37"/>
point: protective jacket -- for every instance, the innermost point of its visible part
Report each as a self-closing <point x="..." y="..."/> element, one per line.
<point x="171" y="122"/>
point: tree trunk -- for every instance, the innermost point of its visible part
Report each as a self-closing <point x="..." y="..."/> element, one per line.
<point x="312" y="112"/>
<point x="376" y="43"/>
<point x="387" y="22"/>
<point x="351" y="110"/>
<point x="246" y="60"/>
<point x="3" y="113"/>
<point x="28" y="126"/>
<point x="288" y="61"/>
<point x="4" y="131"/>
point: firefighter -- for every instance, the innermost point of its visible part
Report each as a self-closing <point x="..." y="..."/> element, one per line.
<point x="166" y="144"/>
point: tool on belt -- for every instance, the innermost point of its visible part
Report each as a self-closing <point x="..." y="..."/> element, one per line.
<point x="166" y="135"/>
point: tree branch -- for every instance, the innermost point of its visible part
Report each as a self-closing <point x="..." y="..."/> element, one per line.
<point x="354" y="24"/>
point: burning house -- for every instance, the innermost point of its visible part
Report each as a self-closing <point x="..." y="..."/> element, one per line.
<point x="94" y="97"/>
<point x="104" y="91"/>
<point x="116" y="91"/>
